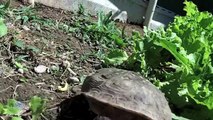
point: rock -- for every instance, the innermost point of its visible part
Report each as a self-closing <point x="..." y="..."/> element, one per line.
<point x="66" y="64"/>
<point x="25" y="28"/>
<point x="21" y="71"/>
<point x="10" y="25"/>
<point x="40" y="69"/>
<point x="74" y="79"/>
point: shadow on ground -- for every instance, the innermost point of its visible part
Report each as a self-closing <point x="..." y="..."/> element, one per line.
<point x="75" y="108"/>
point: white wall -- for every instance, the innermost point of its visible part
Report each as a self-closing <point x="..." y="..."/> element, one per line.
<point x="125" y="10"/>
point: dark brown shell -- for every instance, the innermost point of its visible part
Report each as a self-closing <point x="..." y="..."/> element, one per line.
<point x="122" y="94"/>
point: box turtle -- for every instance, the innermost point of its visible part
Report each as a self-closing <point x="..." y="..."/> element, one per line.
<point x="118" y="94"/>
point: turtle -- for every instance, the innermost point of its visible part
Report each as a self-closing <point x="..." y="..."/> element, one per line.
<point x="117" y="94"/>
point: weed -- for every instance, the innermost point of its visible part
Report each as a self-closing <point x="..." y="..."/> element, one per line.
<point x="104" y="32"/>
<point x="37" y="106"/>
<point x="21" y="45"/>
<point x="4" y="7"/>
<point x="19" y="66"/>
<point x="81" y="10"/>
<point x="24" y="14"/>
<point x="24" y="80"/>
<point x="14" y="109"/>
<point x="3" y="28"/>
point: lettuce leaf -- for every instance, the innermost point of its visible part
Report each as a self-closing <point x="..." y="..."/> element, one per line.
<point x="189" y="40"/>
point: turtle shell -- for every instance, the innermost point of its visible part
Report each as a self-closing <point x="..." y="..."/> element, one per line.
<point x="121" y="94"/>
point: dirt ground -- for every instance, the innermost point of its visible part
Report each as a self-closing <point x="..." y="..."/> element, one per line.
<point x="57" y="47"/>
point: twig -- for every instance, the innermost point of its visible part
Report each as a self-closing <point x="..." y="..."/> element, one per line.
<point x="14" y="93"/>
<point x="44" y="117"/>
<point x="52" y="107"/>
<point x="6" y="89"/>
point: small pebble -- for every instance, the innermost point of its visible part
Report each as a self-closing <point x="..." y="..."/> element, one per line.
<point x="9" y="25"/>
<point x="40" y="69"/>
<point x="25" y="28"/>
<point x="66" y="64"/>
<point x="74" y="80"/>
<point x="21" y="71"/>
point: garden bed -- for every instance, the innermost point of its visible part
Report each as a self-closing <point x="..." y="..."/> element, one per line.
<point x="39" y="37"/>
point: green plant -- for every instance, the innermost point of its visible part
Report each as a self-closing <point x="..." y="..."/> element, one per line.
<point x="115" y="57"/>
<point x="108" y="29"/>
<point x="3" y="28"/>
<point x="104" y="32"/>
<point x="37" y="106"/>
<point x="81" y="9"/>
<point x="21" y="45"/>
<point x="18" y="65"/>
<point x="14" y="108"/>
<point x="24" y="14"/>
<point x="189" y="40"/>
<point x="4" y="7"/>
<point x="18" y="60"/>
<point x="11" y="109"/>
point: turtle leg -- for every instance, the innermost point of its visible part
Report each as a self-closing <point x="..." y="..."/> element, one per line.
<point x="101" y="118"/>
